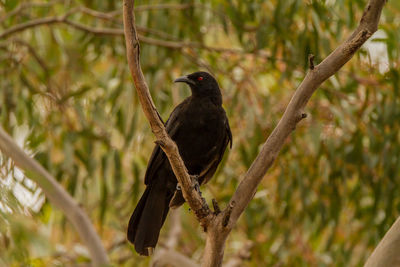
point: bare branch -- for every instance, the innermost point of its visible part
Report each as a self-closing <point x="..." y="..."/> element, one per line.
<point x="311" y="61"/>
<point x="100" y="15"/>
<point x="294" y="111"/>
<point x="99" y="31"/>
<point x="118" y="32"/>
<point x="18" y="10"/>
<point x="34" y="53"/>
<point x="217" y="210"/>
<point x="27" y="25"/>
<point x="227" y="213"/>
<point x="194" y="199"/>
<point x="57" y="196"/>
<point x="54" y="20"/>
<point x="387" y="251"/>
<point x="217" y="234"/>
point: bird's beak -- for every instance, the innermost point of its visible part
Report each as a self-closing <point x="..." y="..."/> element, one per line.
<point x="184" y="79"/>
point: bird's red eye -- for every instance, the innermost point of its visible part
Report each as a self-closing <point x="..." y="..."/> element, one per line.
<point x="199" y="78"/>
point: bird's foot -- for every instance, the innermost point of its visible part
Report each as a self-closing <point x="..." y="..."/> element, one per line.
<point x="195" y="183"/>
<point x="178" y="187"/>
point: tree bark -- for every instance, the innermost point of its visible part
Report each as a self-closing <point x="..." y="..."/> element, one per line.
<point x="387" y="251"/>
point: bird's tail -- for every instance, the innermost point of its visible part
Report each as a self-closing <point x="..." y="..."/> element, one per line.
<point x="148" y="218"/>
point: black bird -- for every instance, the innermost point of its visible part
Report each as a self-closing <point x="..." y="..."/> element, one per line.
<point x="200" y="128"/>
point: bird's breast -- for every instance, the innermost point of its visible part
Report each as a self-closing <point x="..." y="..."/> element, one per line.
<point x="203" y="132"/>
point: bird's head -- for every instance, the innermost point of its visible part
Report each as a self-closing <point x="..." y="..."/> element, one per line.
<point x="201" y="83"/>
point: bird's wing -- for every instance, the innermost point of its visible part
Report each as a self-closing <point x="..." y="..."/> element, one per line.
<point x="228" y="132"/>
<point x="209" y="171"/>
<point x="157" y="158"/>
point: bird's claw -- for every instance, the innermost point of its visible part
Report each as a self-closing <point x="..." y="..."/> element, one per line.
<point x="196" y="185"/>
<point x="178" y="187"/>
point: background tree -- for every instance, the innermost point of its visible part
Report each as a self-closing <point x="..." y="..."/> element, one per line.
<point x="66" y="96"/>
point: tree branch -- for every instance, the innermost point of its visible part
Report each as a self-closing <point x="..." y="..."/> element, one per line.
<point x="63" y="20"/>
<point x="294" y="111"/>
<point x="218" y="232"/>
<point x="194" y="199"/>
<point x="387" y="251"/>
<point x="116" y="32"/>
<point x="34" y="53"/>
<point x="57" y="196"/>
<point x="18" y="10"/>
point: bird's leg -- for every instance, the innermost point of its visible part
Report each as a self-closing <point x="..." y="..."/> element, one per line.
<point x="196" y="186"/>
<point x="195" y="183"/>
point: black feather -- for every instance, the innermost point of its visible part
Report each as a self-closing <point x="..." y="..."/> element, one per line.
<point x="200" y="128"/>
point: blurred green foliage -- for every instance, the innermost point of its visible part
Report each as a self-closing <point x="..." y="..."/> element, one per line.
<point x="329" y="198"/>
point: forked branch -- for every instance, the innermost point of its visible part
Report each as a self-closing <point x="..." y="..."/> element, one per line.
<point x="291" y="117"/>
<point x="220" y="224"/>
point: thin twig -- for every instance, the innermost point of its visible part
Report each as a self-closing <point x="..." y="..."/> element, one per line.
<point x="227" y="213"/>
<point x="26" y="5"/>
<point x="217" y="210"/>
<point x="120" y="32"/>
<point x="311" y="61"/>
<point x="34" y="53"/>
